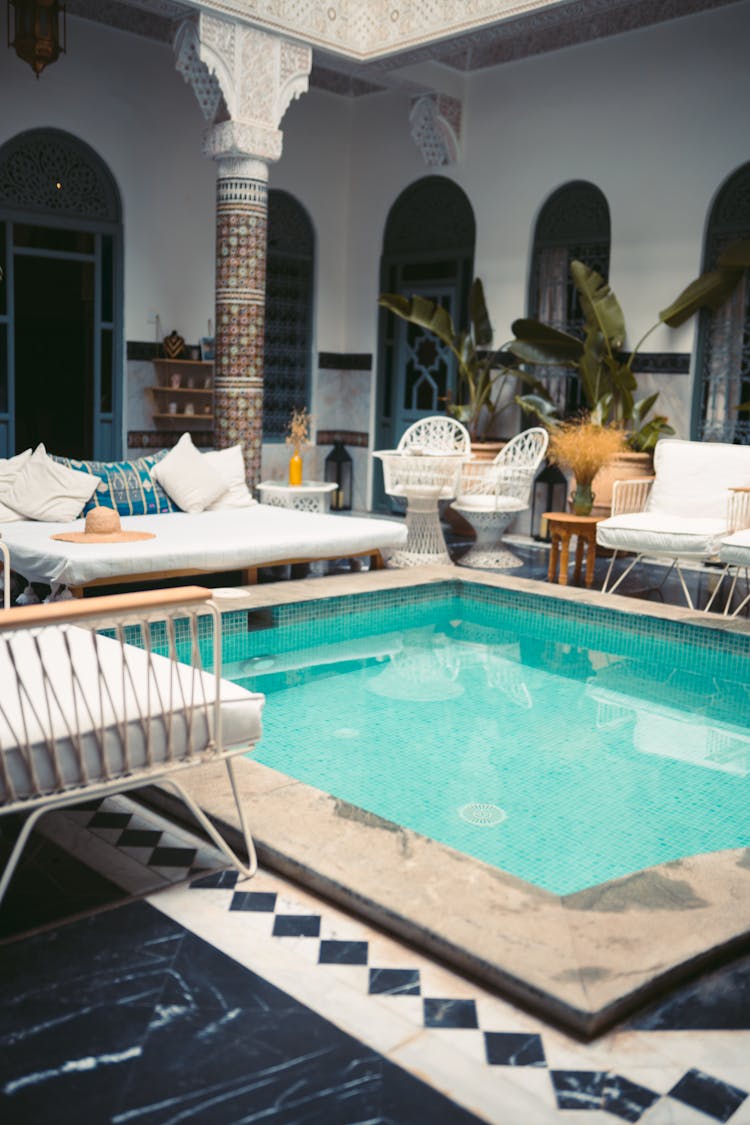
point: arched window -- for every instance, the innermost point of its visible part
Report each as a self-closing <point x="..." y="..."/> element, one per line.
<point x="428" y="249"/>
<point x="723" y="367"/>
<point x="61" y="302"/>
<point x="572" y="224"/>
<point x="289" y="307"/>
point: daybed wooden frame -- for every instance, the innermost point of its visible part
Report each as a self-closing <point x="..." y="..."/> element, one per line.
<point x="249" y="574"/>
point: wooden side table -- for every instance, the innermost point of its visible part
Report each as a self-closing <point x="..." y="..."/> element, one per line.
<point x="562" y="527"/>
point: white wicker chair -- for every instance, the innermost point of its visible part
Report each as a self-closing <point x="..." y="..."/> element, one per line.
<point x="493" y="493"/>
<point x="424" y="469"/>
<point x="437" y="434"/>
<point x="84" y="715"/>
<point x="734" y="551"/>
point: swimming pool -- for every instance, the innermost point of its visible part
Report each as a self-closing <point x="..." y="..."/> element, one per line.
<point x="563" y="743"/>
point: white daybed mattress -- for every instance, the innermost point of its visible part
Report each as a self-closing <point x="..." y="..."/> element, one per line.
<point x="227" y="539"/>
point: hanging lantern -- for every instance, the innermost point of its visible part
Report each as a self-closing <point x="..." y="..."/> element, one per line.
<point x="36" y="32"/>
<point x="549" y="495"/>
<point x="338" y="470"/>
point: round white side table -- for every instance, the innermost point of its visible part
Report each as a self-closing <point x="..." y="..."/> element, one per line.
<point x="310" y="496"/>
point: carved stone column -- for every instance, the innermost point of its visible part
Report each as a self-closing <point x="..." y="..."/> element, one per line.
<point x="244" y="80"/>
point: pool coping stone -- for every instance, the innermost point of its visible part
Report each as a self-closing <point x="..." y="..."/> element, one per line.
<point x="582" y="960"/>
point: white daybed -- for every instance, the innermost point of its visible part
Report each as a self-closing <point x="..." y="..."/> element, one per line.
<point x="194" y="543"/>
<point x="195" y="508"/>
<point x="83" y="715"/>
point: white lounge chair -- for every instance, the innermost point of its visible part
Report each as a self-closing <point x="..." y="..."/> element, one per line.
<point x="493" y="493"/>
<point x="424" y="469"/>
<point x="679" y="514"/>
<point x="84" y="715"/>
<point x="6" y="573"/>
<point x="734" y="551"/>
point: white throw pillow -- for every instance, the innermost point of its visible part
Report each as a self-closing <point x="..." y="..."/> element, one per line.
<point x="10" y="467"/>
<point x="46" y="490"/>
<point x="230" y="464"/>
<point x="187" y="479"/>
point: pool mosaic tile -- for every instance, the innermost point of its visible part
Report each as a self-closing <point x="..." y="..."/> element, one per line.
<point x="331" y="620"/>
<point x="480" y="707"/>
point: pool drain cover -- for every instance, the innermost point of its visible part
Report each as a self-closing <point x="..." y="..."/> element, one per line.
<point x="482" y="815"/>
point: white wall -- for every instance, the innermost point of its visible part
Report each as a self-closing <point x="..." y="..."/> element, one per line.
<point x="315" y="169"/>
<point x="657" y="118"/>
<point x="122" y="95"/>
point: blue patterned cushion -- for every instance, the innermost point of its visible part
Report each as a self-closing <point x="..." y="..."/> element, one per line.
<point x="126" y="486"/>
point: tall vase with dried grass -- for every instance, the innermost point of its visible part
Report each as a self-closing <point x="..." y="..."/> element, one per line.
<point x="298" y="438"/>
<point x="583" y="447"/>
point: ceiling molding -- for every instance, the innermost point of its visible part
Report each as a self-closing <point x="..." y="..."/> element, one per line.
<point x="361" y="47"/>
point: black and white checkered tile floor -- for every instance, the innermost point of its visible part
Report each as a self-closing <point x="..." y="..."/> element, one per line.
<point x="685" y="1061"/>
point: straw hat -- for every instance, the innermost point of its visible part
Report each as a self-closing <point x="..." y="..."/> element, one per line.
<point x="103" y="526"/>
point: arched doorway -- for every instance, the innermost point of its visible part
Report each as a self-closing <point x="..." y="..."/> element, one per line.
<point x="573" y="224"/>
<point x="290" y="273"/>
<point x="723" y="354"/>
<point x="61" y="300"/>
<point x="428" y="249"/>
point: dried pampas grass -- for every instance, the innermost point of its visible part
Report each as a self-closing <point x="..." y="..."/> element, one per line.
<point x="583" y="447"/>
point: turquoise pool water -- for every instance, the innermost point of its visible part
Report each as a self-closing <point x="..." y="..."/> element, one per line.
<point x="564" y="744"/>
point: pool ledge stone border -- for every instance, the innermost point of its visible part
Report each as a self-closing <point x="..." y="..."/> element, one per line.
<point x="583" y="960"/>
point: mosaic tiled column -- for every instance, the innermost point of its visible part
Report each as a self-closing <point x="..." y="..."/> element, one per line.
<point x="244" y="80"/>
<point x="241" y="226"/>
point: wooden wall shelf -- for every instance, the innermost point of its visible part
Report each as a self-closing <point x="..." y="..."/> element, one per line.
<point x="163" y="392"/>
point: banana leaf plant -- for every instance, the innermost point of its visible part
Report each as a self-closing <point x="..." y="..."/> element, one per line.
<point x="482" y="377"/>
<point x="607" y="378"/>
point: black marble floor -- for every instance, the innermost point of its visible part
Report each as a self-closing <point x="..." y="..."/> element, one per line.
<point x="112" y="1012"/>
<point x="124" y="1016"/>
<point x="121" y="1014"/>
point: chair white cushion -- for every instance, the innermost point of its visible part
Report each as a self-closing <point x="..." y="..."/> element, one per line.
<point x="46" y="490"/>
<point x="735" y="548"/>
<point x="230" y="464"/>
<point x="187" y="478"/>
<point x="652" y="533"/>
<point x="479" y="502"/>
<point x="158" y="691"/>
<point x="693" y="478"/>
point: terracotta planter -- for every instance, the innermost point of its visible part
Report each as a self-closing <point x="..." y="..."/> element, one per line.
<point x="486" y="450"/>
<point x="626" y="466"/>
<point x="480" y="451"/>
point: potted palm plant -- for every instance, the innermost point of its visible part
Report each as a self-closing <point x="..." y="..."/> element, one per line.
<point x="606" y="375"/>
<point x="484" y="381"/>
<point x="607" y="378"/>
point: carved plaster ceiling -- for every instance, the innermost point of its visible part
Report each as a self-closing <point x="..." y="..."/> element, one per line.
<point x="363" y="46"/>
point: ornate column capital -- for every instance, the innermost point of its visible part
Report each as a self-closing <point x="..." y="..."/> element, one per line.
<point x="244" y="80"/>
<point x="435" y="121"/>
